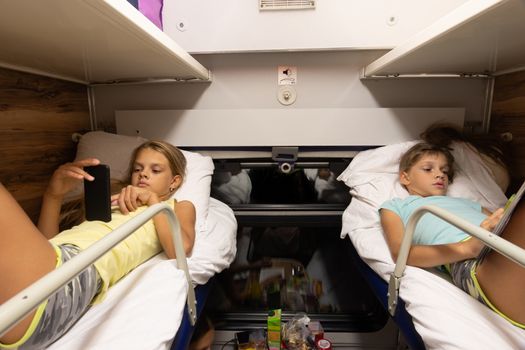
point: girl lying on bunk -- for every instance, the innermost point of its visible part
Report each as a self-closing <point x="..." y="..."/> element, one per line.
<point x="426" y="170"/>
<point x="156" y="171"/>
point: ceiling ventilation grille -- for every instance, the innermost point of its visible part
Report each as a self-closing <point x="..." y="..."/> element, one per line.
<point x="286" y="4"/>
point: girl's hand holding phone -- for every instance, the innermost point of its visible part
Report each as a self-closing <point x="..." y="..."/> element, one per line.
<point x="67" y="176"/>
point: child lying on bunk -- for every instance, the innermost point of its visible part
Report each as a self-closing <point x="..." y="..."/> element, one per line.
<point x="156" y="172"/>
<point x="426" y="170"/>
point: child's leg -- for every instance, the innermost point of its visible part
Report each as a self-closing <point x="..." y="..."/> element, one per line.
<point x="502" y="280"/>
<point x="25" y="256"/>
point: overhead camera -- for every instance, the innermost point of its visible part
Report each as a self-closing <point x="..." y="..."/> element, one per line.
<point x="285" y="168"/>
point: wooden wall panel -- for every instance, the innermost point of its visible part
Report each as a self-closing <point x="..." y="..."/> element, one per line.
<point x="508" y="115"/>
<point x="38" y="115"/>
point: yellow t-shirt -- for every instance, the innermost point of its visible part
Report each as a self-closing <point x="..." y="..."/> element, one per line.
<point x="140" y="246"/>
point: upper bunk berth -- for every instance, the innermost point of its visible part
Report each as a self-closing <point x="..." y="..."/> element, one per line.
<point x="480" y="37"/>
<point x="90" y="41"/>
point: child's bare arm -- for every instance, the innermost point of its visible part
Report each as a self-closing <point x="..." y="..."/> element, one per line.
<point x="185" y="212"/>
<point x="131" y="197"/>
<point x="423" y="255"/>
<point x="64" y="179"/>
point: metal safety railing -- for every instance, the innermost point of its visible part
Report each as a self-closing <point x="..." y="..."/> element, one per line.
<point x="25" y="301"/>
<point x="508" y="249"/>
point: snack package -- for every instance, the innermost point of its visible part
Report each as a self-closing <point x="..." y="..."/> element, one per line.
<point x="296" y="335"/>
<point x="274" y="329"/>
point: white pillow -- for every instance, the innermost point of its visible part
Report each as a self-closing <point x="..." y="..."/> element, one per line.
<point x="372" y="177"/>
<point x="115" y="151"/>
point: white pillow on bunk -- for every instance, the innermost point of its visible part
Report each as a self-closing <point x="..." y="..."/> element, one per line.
<point x="372" y="177"/>
<point x="115" y="151"/>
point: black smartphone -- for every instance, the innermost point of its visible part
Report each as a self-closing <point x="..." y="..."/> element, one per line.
<point x="97" y="196"/>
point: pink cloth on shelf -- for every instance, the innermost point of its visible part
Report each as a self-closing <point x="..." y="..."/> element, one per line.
<point x="152" y="9"/>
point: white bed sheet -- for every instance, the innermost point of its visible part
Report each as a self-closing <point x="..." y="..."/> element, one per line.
<point x="144" y="310"/>
<point x="444" y="316"/>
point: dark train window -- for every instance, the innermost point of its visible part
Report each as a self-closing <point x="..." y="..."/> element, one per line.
<point x="289" y="245"/>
